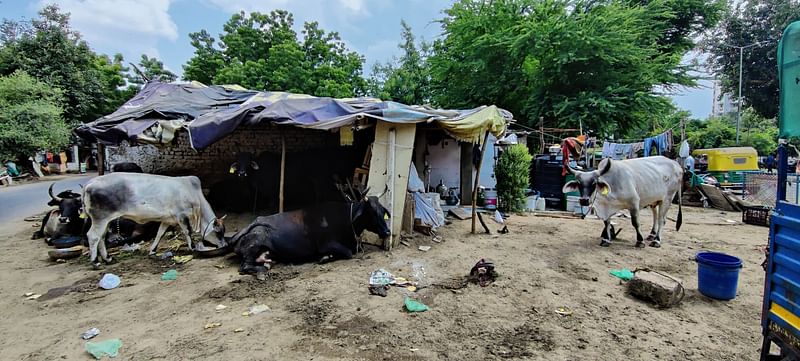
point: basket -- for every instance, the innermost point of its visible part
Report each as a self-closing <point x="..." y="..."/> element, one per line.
<point x="756" y="215"/>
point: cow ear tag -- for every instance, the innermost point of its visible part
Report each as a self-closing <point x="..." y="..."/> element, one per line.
<point x="83" y="215"/>
<point x="231" y="170"/>
<point x="604" y="191"/>
<point x="386" y="216"/>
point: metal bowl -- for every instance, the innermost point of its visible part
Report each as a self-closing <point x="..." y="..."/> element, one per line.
<point x="66" y="242"/>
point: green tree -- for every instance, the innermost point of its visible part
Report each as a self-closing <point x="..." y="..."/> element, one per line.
<point x="153" y="69"/>
<point x="405" y="80"/>
<point x="513" y="173"/>
<point x="568" y="62"/>
<point x="49" y="50"/>
<point x="262" y="52"/>
<point x="745" y="23"/>
<point x="30" y="116"/>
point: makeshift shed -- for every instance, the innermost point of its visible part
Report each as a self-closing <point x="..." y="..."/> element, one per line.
<point x="208" y="114"/>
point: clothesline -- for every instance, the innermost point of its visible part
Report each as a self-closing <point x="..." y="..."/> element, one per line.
<point x="625" y="141"/>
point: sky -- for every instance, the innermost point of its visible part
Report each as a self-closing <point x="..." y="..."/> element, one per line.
<point x="160" y="28"/>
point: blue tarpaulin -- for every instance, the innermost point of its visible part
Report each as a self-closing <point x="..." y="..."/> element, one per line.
<point x="210" y="113"/>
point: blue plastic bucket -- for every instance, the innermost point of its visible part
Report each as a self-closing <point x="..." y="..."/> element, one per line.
<point x="718" y="274"/>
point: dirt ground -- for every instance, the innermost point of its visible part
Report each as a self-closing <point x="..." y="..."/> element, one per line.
<point x="325" y="312"/>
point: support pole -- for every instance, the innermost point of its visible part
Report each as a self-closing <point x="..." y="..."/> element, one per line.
<point x="391" y="176"/>
<point x="101" y="159"/>
<point x="739" y="102"/>
<point x="477" y="181"/>
<point x="283" y="170"/>
<point x="541" y="136"/>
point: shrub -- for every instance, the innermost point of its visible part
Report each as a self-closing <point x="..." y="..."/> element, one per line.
<point x="513" y="175"/>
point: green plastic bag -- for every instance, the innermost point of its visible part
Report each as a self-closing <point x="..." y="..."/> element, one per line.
<point x="623" y="274"/>
<point x="413" y="305"/>
<point x="103" y="348"/>
<point x="170" y="275"/>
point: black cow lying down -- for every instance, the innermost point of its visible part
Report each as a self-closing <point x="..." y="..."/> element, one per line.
<point x="323" y="233"/>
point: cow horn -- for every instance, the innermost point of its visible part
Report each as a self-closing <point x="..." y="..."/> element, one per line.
<point x="605" y="167"/>
<point x="50" y="191"/>
<point x="571" y="170"/>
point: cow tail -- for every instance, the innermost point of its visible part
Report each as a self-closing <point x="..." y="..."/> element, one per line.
<point x="680" y="211"/>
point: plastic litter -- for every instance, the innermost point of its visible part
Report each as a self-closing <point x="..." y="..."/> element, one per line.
<point x="254" y="310"/>
<point x="182" y="259"/>
<point x="34" y="296"/>
<point x="424" y="248"/>
<point x="28" y="294"/>
<point x="90" y="333"/>
<point x="109" y="281"/>
<point x="170" y="275"/>
<point x="413" y="305"/>
<point x="212" y="325"/>
<point x="220" y="308"/>
<point x="381" y="277"/>
<point x="130" y="247"/>
<point x="238" y="330"/>
<point x="563" y="311"/>
<point x="166" y="255"/>
<point x="108" y="347"/>
<point x="623" y="274"/>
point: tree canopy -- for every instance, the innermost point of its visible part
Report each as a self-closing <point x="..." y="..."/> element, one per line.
<point x="30" y="116"/>
<point x="407" y="79"/>
<point x="595" y="62"/>
<point x="752" y="22"/>
<point x="261" y="51"/>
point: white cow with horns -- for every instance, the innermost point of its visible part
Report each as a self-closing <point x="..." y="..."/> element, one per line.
<point x="632" y="184"/>
<point x="173" y="201"/>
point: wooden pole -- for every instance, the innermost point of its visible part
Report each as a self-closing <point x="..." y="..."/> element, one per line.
<point x="541" y="135"/>
<point x="477" y="181"/>
<point x="283" y="170"/>
<point x="391" y="176"/>
<point x="101" y="159"/>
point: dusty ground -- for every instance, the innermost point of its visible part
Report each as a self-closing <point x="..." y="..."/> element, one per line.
<point x="324" y="312"/>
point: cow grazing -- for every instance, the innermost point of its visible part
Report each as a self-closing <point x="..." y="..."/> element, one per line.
<point x="172" y="201"/>
<point x="632" y="184"/>
<point x="64" y="221"/>
<point x="323" y="233"/>
<point x="128" y="167"/>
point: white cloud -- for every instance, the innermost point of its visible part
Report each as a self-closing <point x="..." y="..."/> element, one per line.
<point x="102" y="18"/>
<point x="130" y="27"/>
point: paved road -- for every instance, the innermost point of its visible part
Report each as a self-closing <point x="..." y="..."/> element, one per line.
<point x="19" y="202"/>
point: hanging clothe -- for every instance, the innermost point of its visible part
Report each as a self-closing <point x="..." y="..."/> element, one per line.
<point x="662" y="143"/>
<point x="617" y="151"/>
<point x="570" y="146"/>
<point x="635" y="148"/>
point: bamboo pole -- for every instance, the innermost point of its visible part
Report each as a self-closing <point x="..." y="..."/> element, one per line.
<point x="283" y="170"/>
<point x="477" y="181"/>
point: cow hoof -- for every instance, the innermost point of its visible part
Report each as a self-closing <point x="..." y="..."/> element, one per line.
<point x="640" y="244"/>
<point x="97" y="266"/>
<point x="111" y="260"/>
<point x="651" y="237"/>
<point x="325" y="259"/>
<point x="604" y="243"/>
<point x="655" y="244"/>
<point x="261" y="276"/>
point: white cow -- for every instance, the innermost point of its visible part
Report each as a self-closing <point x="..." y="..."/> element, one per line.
<point x="632" y="184"/>
<point x="173" y="201"/>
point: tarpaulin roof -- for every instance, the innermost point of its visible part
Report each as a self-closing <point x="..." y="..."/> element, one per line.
<point x="212" y="112"/>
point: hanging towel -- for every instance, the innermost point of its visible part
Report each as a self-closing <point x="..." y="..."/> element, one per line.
<point x="635" y="148"/>
<point x="608" y="149"/>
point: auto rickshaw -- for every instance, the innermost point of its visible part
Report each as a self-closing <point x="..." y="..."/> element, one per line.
<point x="727" y="165"/>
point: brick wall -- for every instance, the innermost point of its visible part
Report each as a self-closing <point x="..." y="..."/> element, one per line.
<point x="212" y="163"/>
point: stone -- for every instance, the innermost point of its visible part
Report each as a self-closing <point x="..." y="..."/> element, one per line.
<point x="660" y="288"/>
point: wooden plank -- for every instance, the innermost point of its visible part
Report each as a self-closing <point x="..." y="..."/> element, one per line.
<point x="460" y="213"/>
<point x="408" y="213"/>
